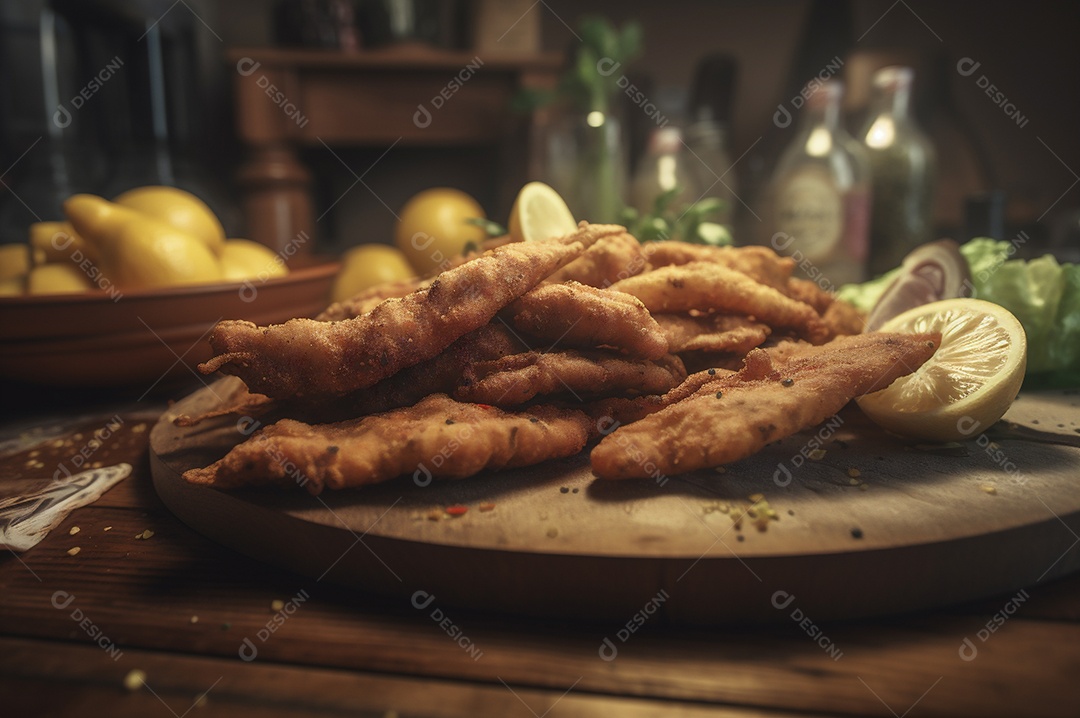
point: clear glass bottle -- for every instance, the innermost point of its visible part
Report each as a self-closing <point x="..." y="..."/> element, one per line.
<point x="902" y="163"/>
<point x="663" y="168"/>
<point x="820" y="195"/>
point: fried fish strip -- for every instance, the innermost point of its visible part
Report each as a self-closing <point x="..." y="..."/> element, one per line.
<point x="760" y="263"/>
<point x="613" y="257"/>
<point x="711" y="332"/>
<point x="733" y="417"/>
<point x="363" y="302"/>
<point x="466" y="438"/>
<point x="518" y="378"/>
<point x="706" y="286"/>
<point x="838" y="316"/>
<point x="308" y="358"/>
<point x="576" y="315"/>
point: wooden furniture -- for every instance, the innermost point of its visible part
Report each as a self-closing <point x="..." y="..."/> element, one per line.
<point x="409" y="94"/>
<point x="184" y="610"/>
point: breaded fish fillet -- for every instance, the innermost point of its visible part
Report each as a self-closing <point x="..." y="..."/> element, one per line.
<point x="711" y="332"/>
<point x="735" y="416"/>
<point x="613" y="257"/>
<point x="437" y="438"/>
<point x="576" y="315"/>
<point x="518" y="378"/>
<point x="308" y="358"/>
<point x="759" y="263"/>
<point x="363" y="302"/>
<point x="711" y="287"/>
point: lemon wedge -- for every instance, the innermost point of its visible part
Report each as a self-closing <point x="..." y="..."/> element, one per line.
<point x="969" y="382"/>
<point x="540" y="213"/>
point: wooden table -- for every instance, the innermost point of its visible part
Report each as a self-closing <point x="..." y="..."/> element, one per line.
<point x="187" y="613"/>
<point x="410" y="94"/>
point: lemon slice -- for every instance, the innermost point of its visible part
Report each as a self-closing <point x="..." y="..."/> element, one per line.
<point x="967" y="384"/>
<point x="540" y="213"/>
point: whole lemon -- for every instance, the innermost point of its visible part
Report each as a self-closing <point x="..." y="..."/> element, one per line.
<point x="243" y="259"/>
<point x="138" y="251"/>
<point x="179" y="209"/>
<point x="14" y="260"/>
<point x="57" y="279"/>
<point x="368" y="265"/>
<point x="433" y="227"/>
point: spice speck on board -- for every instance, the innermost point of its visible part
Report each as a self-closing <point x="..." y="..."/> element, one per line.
<point x="135" y="679"/>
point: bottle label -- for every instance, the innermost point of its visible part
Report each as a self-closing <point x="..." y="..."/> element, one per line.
<point x="810" y="209"/>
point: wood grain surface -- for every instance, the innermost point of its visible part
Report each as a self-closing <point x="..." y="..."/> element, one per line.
<point x="344" y="652"/>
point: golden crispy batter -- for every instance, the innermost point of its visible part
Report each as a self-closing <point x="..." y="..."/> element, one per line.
<point x="613" y="257"/>
<point x="712" y="287"/>
<point x="711" y="332"/>
<point x="363" y="302"/>
<point x="733" y="417"/>
<point x="439" y="438"/>
<point x="760" y="263"/>
<point x="518" y="378"/>
<point x="308" y="358"/>
<point x="842" y="318"/>
<point x="576" y="315"/>
<point x="472" y="252"/>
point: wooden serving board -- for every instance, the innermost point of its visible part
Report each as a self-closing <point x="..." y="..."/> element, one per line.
<point x="875" y="525"/>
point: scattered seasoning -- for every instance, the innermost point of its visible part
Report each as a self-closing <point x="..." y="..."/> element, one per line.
<point x="487" y="507"/>
<point x="534" y="420"/>
<point x="817" y="454"/>
<point x="563" y="490"/>
<point x="449" y="422"/>
<point x="712" y="372"/>
<point x="139" y="428"/>
<point x="930" y="344"/>
<point x="740" y="537"/>
<point x="434" y="515"/>
<point x="856" y="532"/>
<point x="73" y="550"/>
<point x="719" y="395"/>
<point x="787" y="382"/>
<point x="1034" y="421"/>
<point x="107" y="528"/>
<point x="74" y="530"/>
<point x="276" y="605"/>
<point x="144" y="535"/>
<point x="331" y="449"/>
<point x="790" y="512"/>
<point x="854" y="473"/>
<point x="134" y="680"/>
<point x="989" y="489"/>
<point x="720" y="470"/>
<point x="761" y="512"/>
<point x="854" y="482"/>
<point x="552" y="532"/>
<point x="574" y="490"/>
<point x="457" y="510"/>
<point x="194" y="619"/>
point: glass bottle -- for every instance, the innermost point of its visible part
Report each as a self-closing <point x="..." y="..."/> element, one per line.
<point x="902" y="164"/>
<point x="708" y="135"/>
<point x="820" y="195"/>
<point x="663" y="168"/>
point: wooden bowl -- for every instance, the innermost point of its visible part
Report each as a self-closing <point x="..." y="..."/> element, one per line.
<point x="142" y="337"/>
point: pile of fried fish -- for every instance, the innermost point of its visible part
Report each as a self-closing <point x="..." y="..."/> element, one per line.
<point x="528" y="351"/>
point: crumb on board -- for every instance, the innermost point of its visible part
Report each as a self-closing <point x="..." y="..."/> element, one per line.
<point x="144" y="535"/>
<point x="194" y="619"/>
<point x="107" y="528"/>
<point x="485" y="507"/>
<point x="992" y="490"/>
<point x="73" y="550"/>
<point x="135" y="679"/>
<point x="816" y="455"/>
<point x="276" y="605"/>
<point x="853" y="472"/>
<point x="74" y="530"/>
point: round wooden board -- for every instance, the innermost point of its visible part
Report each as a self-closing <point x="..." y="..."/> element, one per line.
<point x="935" y="525"/>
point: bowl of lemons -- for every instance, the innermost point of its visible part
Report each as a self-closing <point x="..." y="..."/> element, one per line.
<point x="122" y="293"/>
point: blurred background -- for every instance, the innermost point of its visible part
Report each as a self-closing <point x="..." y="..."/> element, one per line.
<point x="326" y="116"/>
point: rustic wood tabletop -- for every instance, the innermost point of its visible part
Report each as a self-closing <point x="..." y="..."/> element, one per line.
<point x="148" y="618"/>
